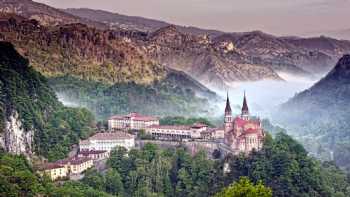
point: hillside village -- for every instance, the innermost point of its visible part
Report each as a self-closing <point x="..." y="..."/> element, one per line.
<point x="239" y="134"/>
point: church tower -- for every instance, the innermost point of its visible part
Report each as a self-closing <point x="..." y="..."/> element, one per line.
<point x="245" y="109"/>
<point x="228" y="116"/>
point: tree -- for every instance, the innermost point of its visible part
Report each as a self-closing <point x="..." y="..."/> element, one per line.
<point x="244" y="188"/>
<point x="94" y="179"/>
<point x="184" y="185"/>
<point x="114" y="183"/>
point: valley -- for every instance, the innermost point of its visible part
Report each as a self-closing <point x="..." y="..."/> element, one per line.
<point x="69" y="74"/>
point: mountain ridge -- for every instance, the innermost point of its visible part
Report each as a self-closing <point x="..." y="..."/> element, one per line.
<point x="45" y="14"/>
<point x="321" y="113"/>
<point x="289" y="56"/>
<point x="218" y="60"/>
<point x="135" y="23"/>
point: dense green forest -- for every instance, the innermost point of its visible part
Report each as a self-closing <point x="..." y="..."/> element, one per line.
<point x="18" y="178"/>
<point x="244" y="187"/>
<point x="165" y="97"/>
<point x="282" y="165"/>
<point x="179" y="120"/>
<point x="26" y="92"/>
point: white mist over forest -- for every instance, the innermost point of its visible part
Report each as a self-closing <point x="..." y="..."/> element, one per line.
<point x="265" y="96"/>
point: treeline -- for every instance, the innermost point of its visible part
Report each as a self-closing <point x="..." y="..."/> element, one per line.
<point x="281" y="166"/>
<point x="65" y="127"/>
<point x="179" y="120"/>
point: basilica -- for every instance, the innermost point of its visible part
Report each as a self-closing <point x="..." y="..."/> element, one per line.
<point x="242" y="133"/>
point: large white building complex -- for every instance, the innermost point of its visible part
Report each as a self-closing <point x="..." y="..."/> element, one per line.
<point x="179" y="132"/>
<point x="108" y="141"/>
<point x="132" y="121"/>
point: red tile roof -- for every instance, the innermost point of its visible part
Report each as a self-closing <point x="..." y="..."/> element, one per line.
<point x="199" y="125"/>
<point x="78" y="161"/>
<point x="72" y="161"/>
<point x="50" y="166"/>
<point x="63" y="161"/>
<point x="111" y="136"/>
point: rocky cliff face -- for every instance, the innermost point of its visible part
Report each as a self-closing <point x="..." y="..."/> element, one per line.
<point x="291" y="55"/>
<point x="298" y="56"/>
<point x="14" y="139"/>
<point x="81" y="51"/>
<point x="32" y="120"/>
<point x="25" y="102"/>
<point x="212" y="57"/>
<point x="213" y="64"/>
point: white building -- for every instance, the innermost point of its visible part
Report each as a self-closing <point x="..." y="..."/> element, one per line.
<point x="131" y="121"/>
<point x="177" y="131"/>
<point x="54" y="171"/>
<point x="108" y="141"/>
<point x="169" y="132"/>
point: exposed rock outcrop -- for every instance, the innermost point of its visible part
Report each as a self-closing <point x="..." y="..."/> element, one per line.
<point x="14" y="139"/>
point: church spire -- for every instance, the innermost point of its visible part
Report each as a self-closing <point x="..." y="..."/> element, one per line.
<point x="245" y="109"/>
<point x="228" y="110"/>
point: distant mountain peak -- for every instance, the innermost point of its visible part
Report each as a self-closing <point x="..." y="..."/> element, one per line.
<point x="170" y="29"/>
<point x="344" y="62"/>
<point x="341" y="70"/>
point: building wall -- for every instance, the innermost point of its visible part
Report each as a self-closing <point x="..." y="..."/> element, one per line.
<point x="169" y="133"/>
<point x="99" y="156"/>
<point x="108" y="145"/>
<point x="79" y="168"/>
<point x="130" y="124"/>
<point x="56" y="173"/>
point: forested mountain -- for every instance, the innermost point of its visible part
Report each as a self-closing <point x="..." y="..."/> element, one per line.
<point x="33" y="121"/>
<point x="282" y="164"/>
<point x="107" y="72"/>
<point x="322" y="113"/>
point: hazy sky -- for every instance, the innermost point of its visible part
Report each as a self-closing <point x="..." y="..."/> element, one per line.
<point x="283" y="17"/>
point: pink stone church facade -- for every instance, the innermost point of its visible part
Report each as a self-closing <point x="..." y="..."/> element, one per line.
<point x="242" y="134"/>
